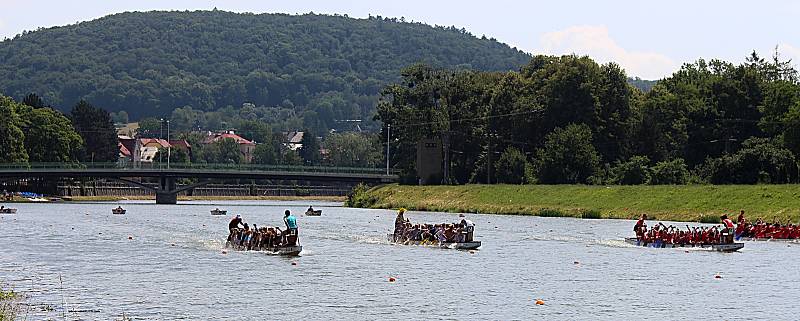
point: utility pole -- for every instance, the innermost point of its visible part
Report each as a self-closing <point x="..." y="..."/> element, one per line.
<point x="160" y="136"/>
<point x="169" y="145"/>
<point x="488" y="158"/>
<point x="388" y="133"/>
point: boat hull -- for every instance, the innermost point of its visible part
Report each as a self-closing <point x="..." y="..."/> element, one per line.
<point x="473" y="245"/>
<point x="314" y="213"/>
<point x="754" y="239"/>
<point x="283" y="250"/>
<point x="732" y="247"/>
<point x="219" y="212"/>
<point x="8" y="211"/>
<point x="118" y="212"/>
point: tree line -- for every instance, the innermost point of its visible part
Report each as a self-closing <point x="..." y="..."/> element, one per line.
<point x="571" y="120"/>
<point x="31" y="132"/>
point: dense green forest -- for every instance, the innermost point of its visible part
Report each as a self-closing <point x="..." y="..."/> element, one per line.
<point x="569" y="119"/>
<point x="309" y="68"/>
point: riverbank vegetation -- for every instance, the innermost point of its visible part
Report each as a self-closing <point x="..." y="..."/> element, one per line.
<point x="9" y="305"/>
<point x="570" y="120"/>
<point x="665" y="202"/>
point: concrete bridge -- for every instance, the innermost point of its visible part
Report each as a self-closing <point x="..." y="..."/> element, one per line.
<point x="167" y="189"/>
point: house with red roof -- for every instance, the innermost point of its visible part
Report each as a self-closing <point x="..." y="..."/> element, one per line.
<point x="142" y="151"/>
<point x="246" y="147"/>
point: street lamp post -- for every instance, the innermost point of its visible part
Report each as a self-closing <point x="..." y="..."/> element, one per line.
<point x="169" y="145"/>
<point x="388" y="131"/>
<point x="161" y="137"/>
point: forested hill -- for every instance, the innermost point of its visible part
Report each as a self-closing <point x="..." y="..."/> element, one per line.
<point x="150" y="63"/>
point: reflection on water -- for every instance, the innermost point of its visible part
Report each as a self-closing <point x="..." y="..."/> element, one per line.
<point x="78" y="260"/>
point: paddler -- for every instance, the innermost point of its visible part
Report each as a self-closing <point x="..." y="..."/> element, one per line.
<point x="727" y="233"/>
<point x="640" y="227"/>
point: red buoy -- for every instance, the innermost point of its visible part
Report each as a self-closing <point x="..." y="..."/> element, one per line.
<point x="391" y="279"/>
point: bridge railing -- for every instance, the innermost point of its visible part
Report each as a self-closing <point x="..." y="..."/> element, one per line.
<point x="195" y="167"/>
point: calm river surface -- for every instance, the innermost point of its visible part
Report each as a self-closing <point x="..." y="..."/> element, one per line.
<point x="174" y="268"/>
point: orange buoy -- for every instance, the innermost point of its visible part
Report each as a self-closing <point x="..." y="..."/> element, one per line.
<point x="539" y="302"/>
<point x="391" y="279"/>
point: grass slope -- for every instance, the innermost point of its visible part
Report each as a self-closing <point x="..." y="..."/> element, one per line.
<point x="678" y="203"/>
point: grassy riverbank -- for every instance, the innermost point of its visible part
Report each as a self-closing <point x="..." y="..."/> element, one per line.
<point x="678" y="203"/>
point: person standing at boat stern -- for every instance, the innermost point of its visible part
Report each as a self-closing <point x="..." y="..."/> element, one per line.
<point x="399" y="224"/>
<point x="290" y="233"/>
<point x="468" y="228"/>
<point x="235" y="223"/>
<point x="727" y="233"/>
<point x="640" y="227"/>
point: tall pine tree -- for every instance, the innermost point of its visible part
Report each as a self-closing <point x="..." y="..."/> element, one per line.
<point x="98" y="132"/>
<point x="310" y="150"/>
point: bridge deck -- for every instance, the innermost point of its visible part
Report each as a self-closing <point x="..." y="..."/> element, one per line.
<point x="211" y="171"/>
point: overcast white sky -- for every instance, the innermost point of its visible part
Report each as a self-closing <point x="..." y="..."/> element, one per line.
<point x="650" y="39"/>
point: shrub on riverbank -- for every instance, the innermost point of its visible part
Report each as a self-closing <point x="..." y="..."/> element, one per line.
<point x="9" y="305"/>
<point x="667" y="202"/>
<point x="360" y="197"/>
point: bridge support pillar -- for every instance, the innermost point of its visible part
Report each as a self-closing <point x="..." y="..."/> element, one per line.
<point x="166" y="191"/>
<point x="166" y="198"/>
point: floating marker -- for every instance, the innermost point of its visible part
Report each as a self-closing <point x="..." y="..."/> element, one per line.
<point x="130" y="237"/>
<point x="471" y="252"/>
<point x="294" y="263"/>
<point x="717" y="276"/>
<point x="539" y="302"/>
<point x="576" y="262"/>
<point x="391" y="279"/>
<point x="224" y="252"/>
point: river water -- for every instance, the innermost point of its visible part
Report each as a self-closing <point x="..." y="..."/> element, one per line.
<point x="76" y="262"/>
